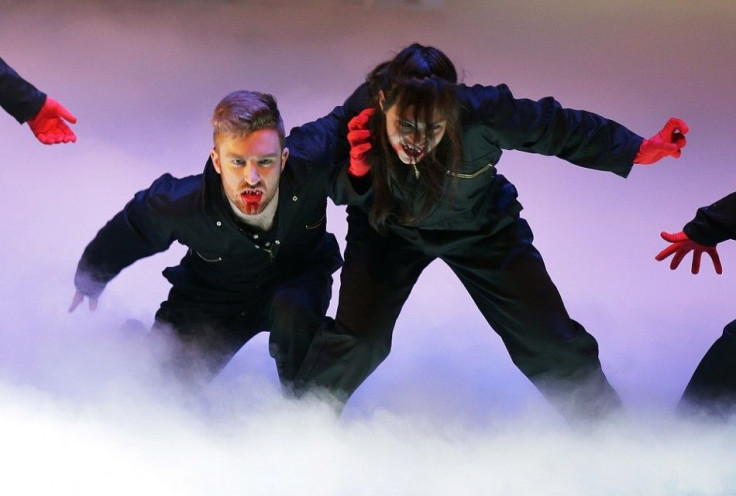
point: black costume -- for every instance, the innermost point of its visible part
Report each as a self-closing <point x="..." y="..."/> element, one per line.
<point x="712" y="387"/>
<point x="234" y="281"/>
<point x="476" y="230"/>
<point x="18" y="97"/>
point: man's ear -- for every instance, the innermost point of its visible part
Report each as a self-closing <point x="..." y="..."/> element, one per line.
<point x="381" y="99"/>
<point x="284" y="156"/>
<point x="216" y="160"/>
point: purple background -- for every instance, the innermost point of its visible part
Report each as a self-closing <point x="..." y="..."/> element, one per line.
<point x="143" y="77"/>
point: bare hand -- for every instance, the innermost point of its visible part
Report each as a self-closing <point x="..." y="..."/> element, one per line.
<point x="79" y="298"/>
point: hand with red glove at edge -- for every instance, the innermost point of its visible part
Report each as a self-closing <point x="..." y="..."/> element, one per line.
<point x="666" y="143"/>
<point x="359" y="137"/>
<point x="681" y="246"/>
<point x="48" y="125"/>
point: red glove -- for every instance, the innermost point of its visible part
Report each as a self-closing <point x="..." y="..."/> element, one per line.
<point x="666" y="143"/>
<point x="359" y="137"/>
<point x="48" y="125"/>
<point x="681" y="246"/>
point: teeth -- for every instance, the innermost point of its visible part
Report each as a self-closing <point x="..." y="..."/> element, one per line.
<point x="412" y="149"/>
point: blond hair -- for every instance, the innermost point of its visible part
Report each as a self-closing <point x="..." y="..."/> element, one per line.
<point x="243" y="112"/>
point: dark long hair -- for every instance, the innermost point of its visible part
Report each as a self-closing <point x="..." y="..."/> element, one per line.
<point x="419" y="81"/>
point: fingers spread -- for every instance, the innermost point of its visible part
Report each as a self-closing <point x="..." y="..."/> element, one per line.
<point x="716" y="260"/>
<point x="696" y="262"/>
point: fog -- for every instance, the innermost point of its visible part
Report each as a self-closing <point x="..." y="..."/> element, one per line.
<point x="84" y="412"/>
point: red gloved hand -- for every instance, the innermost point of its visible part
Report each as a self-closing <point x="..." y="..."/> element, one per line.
<point x="359" y="137"/>
<point x="48" y="125"/>
<point x="666" y="143"/>
<point x="681" y="246"/>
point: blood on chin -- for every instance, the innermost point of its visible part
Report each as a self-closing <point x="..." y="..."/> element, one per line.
<point x="252" y="203"/>
<point x="409" y="159"/>
<point x="252" y="208"/>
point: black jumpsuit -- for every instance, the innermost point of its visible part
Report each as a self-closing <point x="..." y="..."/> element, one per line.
<point x="234" y="281"/>
<point x="712" y="387"/>
<point x="476" y="230"/>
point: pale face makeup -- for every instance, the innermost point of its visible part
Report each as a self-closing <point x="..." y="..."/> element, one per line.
<point x="407" y="136"/>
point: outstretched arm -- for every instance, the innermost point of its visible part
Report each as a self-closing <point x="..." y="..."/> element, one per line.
<point x="45" y="116"/>
<point x="546" y="127"/>
<point x="141" y="229"/>
<point x="18" y="97"/>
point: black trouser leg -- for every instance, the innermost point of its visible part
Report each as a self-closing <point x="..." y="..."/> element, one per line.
<point x="376" y="279"/>
<point x="293" y="313"/>
<point x="712" y="388"/>
<point x="200" y="338"/>
<point x="506" y="277"/>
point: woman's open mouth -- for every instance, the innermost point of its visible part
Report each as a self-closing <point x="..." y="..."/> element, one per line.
<point x="412" y="151"/>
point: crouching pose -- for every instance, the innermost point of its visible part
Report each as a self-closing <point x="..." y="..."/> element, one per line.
<point x="259" y="255"/>
<point x="425" y="187"/>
